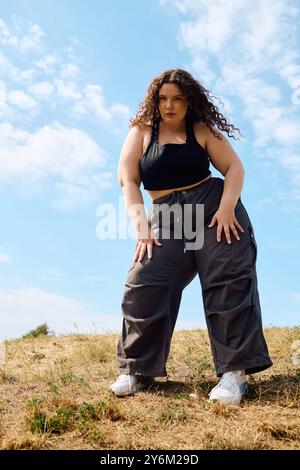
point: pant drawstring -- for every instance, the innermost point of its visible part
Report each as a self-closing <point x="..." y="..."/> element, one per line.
<point x="179" y="198"/>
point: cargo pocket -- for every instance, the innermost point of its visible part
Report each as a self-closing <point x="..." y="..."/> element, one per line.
<point x="254" y="245"/>
<point x="132" y="265"/>
<point x="243" y="252"/>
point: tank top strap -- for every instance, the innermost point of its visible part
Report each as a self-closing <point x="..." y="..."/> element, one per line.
<point x="190" y="131"/>
<point x="154" y="132"/>
<point x="190" y="135"/>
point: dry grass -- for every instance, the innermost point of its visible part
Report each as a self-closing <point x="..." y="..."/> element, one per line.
<point x="54" y="396"/>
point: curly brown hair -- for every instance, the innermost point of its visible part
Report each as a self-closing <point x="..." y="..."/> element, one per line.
<point x="201" y="107"/>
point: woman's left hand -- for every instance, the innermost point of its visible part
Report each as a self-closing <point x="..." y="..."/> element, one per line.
<point x="226" y="219"/>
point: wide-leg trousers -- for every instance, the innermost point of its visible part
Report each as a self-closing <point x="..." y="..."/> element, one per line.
<point x="229" y="288"/>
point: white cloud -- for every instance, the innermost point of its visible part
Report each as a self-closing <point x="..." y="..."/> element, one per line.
<point x="6" y="37"/>
<point x="2" y="94"/>
<point x="51" y="76"/>
<point x="93" y="100"/>
<point x="120" y="110"/>
<point x="22" y="100"/>
<point x="28" y="42"/>
<point x="69" y="70"/>
<point x="27" y="75"/>
<point x="7" y="68"/>
<point x="288" y="132"/>
<point x="9" y="103"/>
<point x="48" y="63"/>
<point x="14" y="73"/>
<point x="41" y="90"/>
<point x="289" y="70"/>
<point x="31" y="42"/>
<point x="225" y="34"/>
<point x="54" y="157"/>
<point x="249" y="53"/>
<point x="25" y="308"/>
<point x="4" y="257"/>
<point x="67" y="90"/>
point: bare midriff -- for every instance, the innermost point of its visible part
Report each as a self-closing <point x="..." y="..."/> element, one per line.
<point x="159" y="193"/>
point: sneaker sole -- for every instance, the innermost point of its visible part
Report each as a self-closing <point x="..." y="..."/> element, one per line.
<point x="231" y="404"/>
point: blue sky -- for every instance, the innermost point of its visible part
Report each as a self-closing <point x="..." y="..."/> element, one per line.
<point x="71" y="75"/>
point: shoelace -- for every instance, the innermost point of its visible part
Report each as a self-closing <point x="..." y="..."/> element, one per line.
<point x="123" y="378"/>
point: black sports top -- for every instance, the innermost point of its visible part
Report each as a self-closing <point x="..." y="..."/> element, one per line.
<point x="168" y="166"/>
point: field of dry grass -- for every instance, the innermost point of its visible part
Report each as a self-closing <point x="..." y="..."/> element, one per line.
<point x="53" y="395"/>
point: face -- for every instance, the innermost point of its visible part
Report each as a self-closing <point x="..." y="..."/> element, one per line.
<point x="172" y="100"/>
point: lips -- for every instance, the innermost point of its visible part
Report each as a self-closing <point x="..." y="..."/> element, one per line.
<point x="170" y="114"/>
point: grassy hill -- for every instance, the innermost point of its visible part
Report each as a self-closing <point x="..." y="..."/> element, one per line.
<point x="53" y="395"/>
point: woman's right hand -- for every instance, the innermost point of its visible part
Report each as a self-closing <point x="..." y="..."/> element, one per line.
<point x="144" y="244"/>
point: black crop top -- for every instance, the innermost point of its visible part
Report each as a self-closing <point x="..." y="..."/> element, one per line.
<point x="168" y="166"/>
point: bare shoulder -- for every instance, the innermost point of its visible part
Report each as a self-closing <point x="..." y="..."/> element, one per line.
<point x="128" y="168"/>
<point x="145" y="132"/>
<point x="141" y="131"/>
<point x="135" y="137"/>
<point x="204" y="135"/>
<point x="142" y="127"/>
<point x="204" y="129"/>
<point x="145" y="129"/>
<point x="201" y="133"/>
<point x="136" y="131"/>
<point x="221" y="154"/>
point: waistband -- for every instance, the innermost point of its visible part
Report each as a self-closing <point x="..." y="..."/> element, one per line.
<point x="180" y="192"/>
<point x="178" y="196"/>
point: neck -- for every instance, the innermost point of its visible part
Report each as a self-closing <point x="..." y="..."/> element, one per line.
<point x="173" y="126"/>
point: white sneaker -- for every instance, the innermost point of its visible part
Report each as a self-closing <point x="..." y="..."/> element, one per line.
<point x="128" y="384"/>
<point x="230" y="389"/>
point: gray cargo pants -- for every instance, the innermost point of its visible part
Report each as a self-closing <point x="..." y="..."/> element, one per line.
<point x="227" y="274"/>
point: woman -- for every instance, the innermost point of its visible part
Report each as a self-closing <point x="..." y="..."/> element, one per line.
<point x="169" y="148"/>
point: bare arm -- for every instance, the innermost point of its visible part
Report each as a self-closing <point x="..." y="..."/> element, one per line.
<point x="129" y="178"/>
<point x="226" y="160"/>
